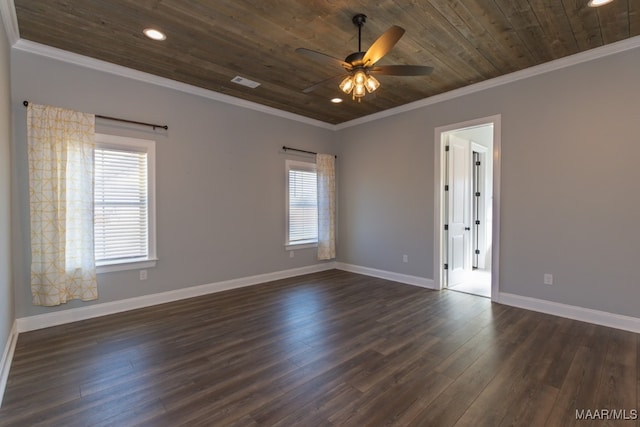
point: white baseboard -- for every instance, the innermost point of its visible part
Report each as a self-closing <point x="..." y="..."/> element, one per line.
<point x="7" y="357"/>
<point x="597" y="317"/>
<point x="46" y="320"/>
<point x="389" y="275"/>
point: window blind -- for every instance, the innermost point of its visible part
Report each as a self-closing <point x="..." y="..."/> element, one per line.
<point x="303" y="206"/>
<point x="121" y="211"/>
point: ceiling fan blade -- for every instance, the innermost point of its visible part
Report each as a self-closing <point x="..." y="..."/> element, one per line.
<point x="321" y="57"/>
<point x="324" y="82"/>
<point x="382" y="45"/>
<point x="402" y="70"/>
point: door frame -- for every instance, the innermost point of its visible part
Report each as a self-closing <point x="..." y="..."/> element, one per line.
<point x="439" y="159"/>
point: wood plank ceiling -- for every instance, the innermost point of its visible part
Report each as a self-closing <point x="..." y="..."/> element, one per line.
<point x="210" y="42"/>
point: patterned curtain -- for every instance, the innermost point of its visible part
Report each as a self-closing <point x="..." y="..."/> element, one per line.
<point x="325" y="166"/>
<point x="61" y="144"/>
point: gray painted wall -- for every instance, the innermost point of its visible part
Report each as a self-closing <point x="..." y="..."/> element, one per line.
<point x="220" y="178"/>
<point x="6" y="289"/>
<point x="569" y="198"/>
<point x="386" y="195"/>
<point x="569" y="202"/>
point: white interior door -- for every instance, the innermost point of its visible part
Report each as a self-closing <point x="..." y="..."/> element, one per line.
<point x="459" y="210"/>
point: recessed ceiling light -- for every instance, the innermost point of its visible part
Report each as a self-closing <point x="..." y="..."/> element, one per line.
<point x="336" y="100"/>
<point x="596" y="3"/>
<point x="154" y="34"/>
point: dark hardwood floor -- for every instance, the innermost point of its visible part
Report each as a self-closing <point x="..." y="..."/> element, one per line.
<point x="331" y="348"/>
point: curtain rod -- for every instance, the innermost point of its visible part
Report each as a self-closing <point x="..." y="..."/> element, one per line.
<point x="285" y="148"/>
<point x="165" y="127"/>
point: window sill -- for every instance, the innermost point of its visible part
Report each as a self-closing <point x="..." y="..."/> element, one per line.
<point x="129" y="265"/>
<point x="294" y="246"/>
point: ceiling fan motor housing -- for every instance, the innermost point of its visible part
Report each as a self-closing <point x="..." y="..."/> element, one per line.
<point x="355" y="59"/>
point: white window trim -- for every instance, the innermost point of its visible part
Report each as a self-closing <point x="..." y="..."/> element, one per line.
<point x="127" y="265"/>
<point x="304" y="244"/>
<point x="301" y="245"/>
<point x="148" y="146"/>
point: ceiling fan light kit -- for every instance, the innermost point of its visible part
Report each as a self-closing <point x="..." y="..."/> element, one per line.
<point x="357" y="84"/>
<point x="360" y="65"/>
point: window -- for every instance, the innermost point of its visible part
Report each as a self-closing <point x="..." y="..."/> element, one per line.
<point x="124" y="206"/>
<point x="302" y="204"/>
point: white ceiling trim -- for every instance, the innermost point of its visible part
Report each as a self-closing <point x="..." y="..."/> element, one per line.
<point x="10" y="20"/>
<point x="558" y="64"/>
<point x="107" y="67"/>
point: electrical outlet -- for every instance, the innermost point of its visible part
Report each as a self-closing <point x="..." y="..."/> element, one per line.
<point x="291" y="254"/>
<point x="548" y="279"/>
<point x="143" y="274"/>
<point x="405" y="258"/>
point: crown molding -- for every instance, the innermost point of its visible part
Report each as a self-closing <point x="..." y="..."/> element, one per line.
<point x="558" y="64"/>
<point x="119" y="70"/>
<point x="10" y="21"/>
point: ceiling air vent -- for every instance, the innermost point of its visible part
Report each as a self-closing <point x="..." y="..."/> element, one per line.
<point x="245" y="82"/>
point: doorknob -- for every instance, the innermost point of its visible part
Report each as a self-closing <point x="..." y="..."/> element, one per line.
<point x="467" y="228"/>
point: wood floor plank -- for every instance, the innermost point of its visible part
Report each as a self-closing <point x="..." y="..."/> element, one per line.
<point x="454" y="401"/>
<point x="404" y="389"/>
<point x="616" y="389"/>
<point x="578" y="391"/>
<point x="519" y="371"/>
<point x="318" y="411"/>
<point x="482" y="340"/>
<point x="326" y="349"/>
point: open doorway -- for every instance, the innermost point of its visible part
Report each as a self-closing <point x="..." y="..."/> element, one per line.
<point x="466" y="231"/>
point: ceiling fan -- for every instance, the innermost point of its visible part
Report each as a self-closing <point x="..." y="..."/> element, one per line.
<point x="360" y="66"/>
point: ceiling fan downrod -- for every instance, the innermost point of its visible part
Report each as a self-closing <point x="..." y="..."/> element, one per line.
<point x="359" y="21"/>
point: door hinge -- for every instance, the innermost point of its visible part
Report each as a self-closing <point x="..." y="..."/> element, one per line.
<point x="477" y="222"/>
<point x="446" y="148"/>
<point x="478" y="163"/>
<point x="477" y="251"/>
<point x="446" y="227"/>
<point x="477" y="194"/>
<point x="446" y="187"/>
<point x="446" y="266"/>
